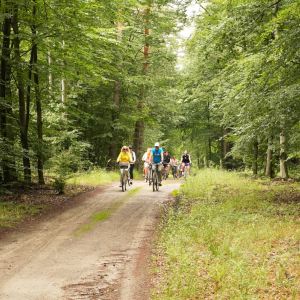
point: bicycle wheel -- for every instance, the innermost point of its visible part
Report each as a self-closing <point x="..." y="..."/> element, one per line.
<point x="157" y="184"/>
<point x="150" y="176"/>
<point x="123" y="181"/>
<point x="153" y="181"/>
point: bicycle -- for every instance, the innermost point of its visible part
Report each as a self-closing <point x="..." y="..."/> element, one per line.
<point x="179" y="172"/>
<point x="124" y="168"/>
<point x="185" y="172"/>
<point x="155" y="178"/>
<point x="174" y="171"/>
<point x="165" y="176"/>
<point x="147" y="175"/>
<point x="150" y="174"/>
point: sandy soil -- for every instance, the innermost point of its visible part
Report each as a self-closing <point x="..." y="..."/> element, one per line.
<point x="55" y="258"/>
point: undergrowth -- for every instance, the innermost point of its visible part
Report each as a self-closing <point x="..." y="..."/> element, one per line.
<point x="230" y="237"/>
<point x="12" y="213"/>
<point x="20" y="205"/>
<point x="93" y="178"/>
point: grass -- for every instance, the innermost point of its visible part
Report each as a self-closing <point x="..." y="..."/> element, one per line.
<point x="12" y="213"/>
<point x="98" y="177"/>
<point x="134" y="191"/>
<point x="230" y="237"/>
<point x="101" y="216"/>
<point x="20" y="206"/>
<point x="94" y="178"/>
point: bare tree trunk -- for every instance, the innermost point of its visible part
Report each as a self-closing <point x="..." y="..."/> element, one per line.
<point x="139" y="137"/>
<point x="64" y="86"/>
<point x="255" y="156"/>
<point x="38" y="104"/>
<point x="140" y="124"/>
<point x="50" y="73"/>
<point x="3" y="112"/>
<point x="116" y="100"/>
<point x="283" y="155"/>
<point x="225" y="146"/>
<point x="269" y="167"/>
<point x="22" y="105"/>
<point x="205" y="162"/>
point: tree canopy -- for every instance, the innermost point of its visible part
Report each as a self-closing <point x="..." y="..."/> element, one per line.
<point x="80" y="79"/>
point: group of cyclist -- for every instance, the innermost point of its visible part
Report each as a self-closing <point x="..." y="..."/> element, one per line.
<point x="153" y="156"/>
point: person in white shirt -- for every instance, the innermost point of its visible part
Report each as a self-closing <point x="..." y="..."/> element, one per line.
<point x="133" y="160"/>
<point x="145" y="159"/>
<point x="174" y="164"/>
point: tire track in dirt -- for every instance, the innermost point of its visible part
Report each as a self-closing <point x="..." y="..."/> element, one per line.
<point x="106" y="262"/>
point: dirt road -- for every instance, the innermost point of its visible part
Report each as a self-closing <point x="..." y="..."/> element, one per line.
<point x="97" y="249"/>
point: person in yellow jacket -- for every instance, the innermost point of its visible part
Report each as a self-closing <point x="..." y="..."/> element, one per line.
<point x="124" y="159"/>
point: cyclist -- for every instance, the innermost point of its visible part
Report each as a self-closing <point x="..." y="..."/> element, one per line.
<point x="166" y="161"/>
<point x="180" y="170"/>
<point x="133" y="159"/>
<point x="174" y="164"/>
<point x="157" y="154"/>
<point x="186" y="161"/>
<point x="146" y="160"/>
<point x="124" y="159"/>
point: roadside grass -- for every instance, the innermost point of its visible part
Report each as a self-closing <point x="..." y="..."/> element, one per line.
<point x="19" y="205"/>
<point x="98" y="177"/>
<point x="12" y="213"/>
<point x="229" y="237"/>
<point x="94" y="178"/>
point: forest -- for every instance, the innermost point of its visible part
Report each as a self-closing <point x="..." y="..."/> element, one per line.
<point x="79" y="79"/>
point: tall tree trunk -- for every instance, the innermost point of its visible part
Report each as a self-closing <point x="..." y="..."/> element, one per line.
<point x="22" y="105"/>
<point x="10" y="134"/>
<point x="50" y="72"/>
<point x="140" y="124"/>
<point x="225" y="144"/>
<point x="283" y="155"/>
<point x="269" y="167"/>
<point x="116" y="100"/>
<point x="64" y="85"/>
<point x="3" y="85"/>
<point x="38" y="103"/>
<point x="255" y="156"/>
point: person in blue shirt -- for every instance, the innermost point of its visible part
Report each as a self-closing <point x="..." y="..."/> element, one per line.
<point x="157" y="154"/>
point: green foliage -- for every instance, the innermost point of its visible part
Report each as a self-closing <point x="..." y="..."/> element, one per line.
<point x="93" y="177"/>
<point x="12" y="213"/>
<point x="230" y="237"/>
<point x="59" y="184"/>
<point x="240" y="76"/>
<point x="81" y="44"/>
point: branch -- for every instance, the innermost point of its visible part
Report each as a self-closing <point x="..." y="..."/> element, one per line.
<point x="206" y="9"/>
<point x="275" y="3"/>
<point x="14" y="117"/>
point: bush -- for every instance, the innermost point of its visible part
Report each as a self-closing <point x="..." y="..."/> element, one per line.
<point x="60" y="184"/>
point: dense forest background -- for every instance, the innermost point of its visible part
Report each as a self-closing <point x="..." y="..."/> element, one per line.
<point x="79" y="79"/>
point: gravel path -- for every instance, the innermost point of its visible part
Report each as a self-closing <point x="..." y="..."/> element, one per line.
<point x="67" y="255"/>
